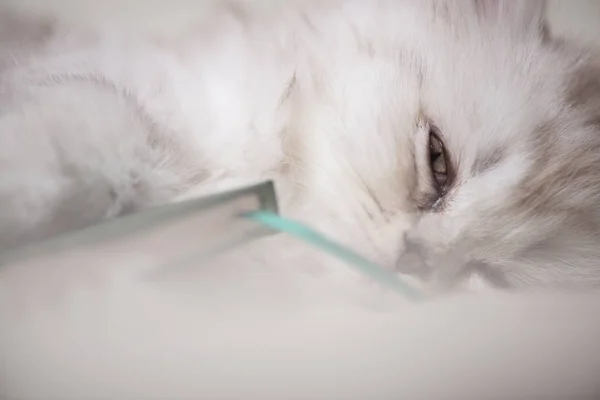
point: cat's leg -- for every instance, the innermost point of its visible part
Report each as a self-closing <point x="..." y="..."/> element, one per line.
<point x="73" y="154"/>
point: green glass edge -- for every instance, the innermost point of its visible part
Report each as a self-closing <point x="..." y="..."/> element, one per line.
<point x="132" y="223"/>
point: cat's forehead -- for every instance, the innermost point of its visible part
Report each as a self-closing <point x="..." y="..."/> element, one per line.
<point x="543" y="158"/>
<point x="522" y="121"/>
<point x="490" y="102"/>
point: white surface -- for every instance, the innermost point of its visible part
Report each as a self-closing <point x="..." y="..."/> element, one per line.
<point x="90" y="335"/>
<point x="101" y="333"/>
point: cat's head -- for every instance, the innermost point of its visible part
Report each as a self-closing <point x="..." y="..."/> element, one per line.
<point x="475" y="150"/>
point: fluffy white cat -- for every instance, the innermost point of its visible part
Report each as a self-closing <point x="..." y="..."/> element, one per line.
<point x="454" y="140"/>
<point x="450" y="138"/>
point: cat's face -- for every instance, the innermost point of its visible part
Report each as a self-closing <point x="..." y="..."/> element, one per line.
<point x="475" y="150"/>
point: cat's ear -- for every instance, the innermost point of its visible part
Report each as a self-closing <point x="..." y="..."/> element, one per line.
<point x="519" y="15"/>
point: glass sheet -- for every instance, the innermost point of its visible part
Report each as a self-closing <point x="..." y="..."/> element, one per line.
<point x="199" y="229"/>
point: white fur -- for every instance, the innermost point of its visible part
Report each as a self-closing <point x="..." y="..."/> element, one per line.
<point x="324" y="98"/>
<point x="112" y="115"/>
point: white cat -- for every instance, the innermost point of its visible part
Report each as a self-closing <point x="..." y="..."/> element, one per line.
<point x="451" y="138"/>
<point x="457" y="138"/>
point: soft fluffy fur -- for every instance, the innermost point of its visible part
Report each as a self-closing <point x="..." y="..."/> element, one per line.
<point x="100" y="118"/>
<point x="332" y="100"/>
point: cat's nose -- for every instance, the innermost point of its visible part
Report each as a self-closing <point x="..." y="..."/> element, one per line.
<point x="409" y="263"/>
<point x="412" y="260"/>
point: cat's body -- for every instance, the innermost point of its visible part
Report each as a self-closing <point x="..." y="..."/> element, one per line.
<point x="332" y="100"/>
<point x="336" y="102"/>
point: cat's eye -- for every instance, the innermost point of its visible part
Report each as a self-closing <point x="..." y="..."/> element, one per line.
<point x="436" y="172"/>
<point x="438" y="161"/>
